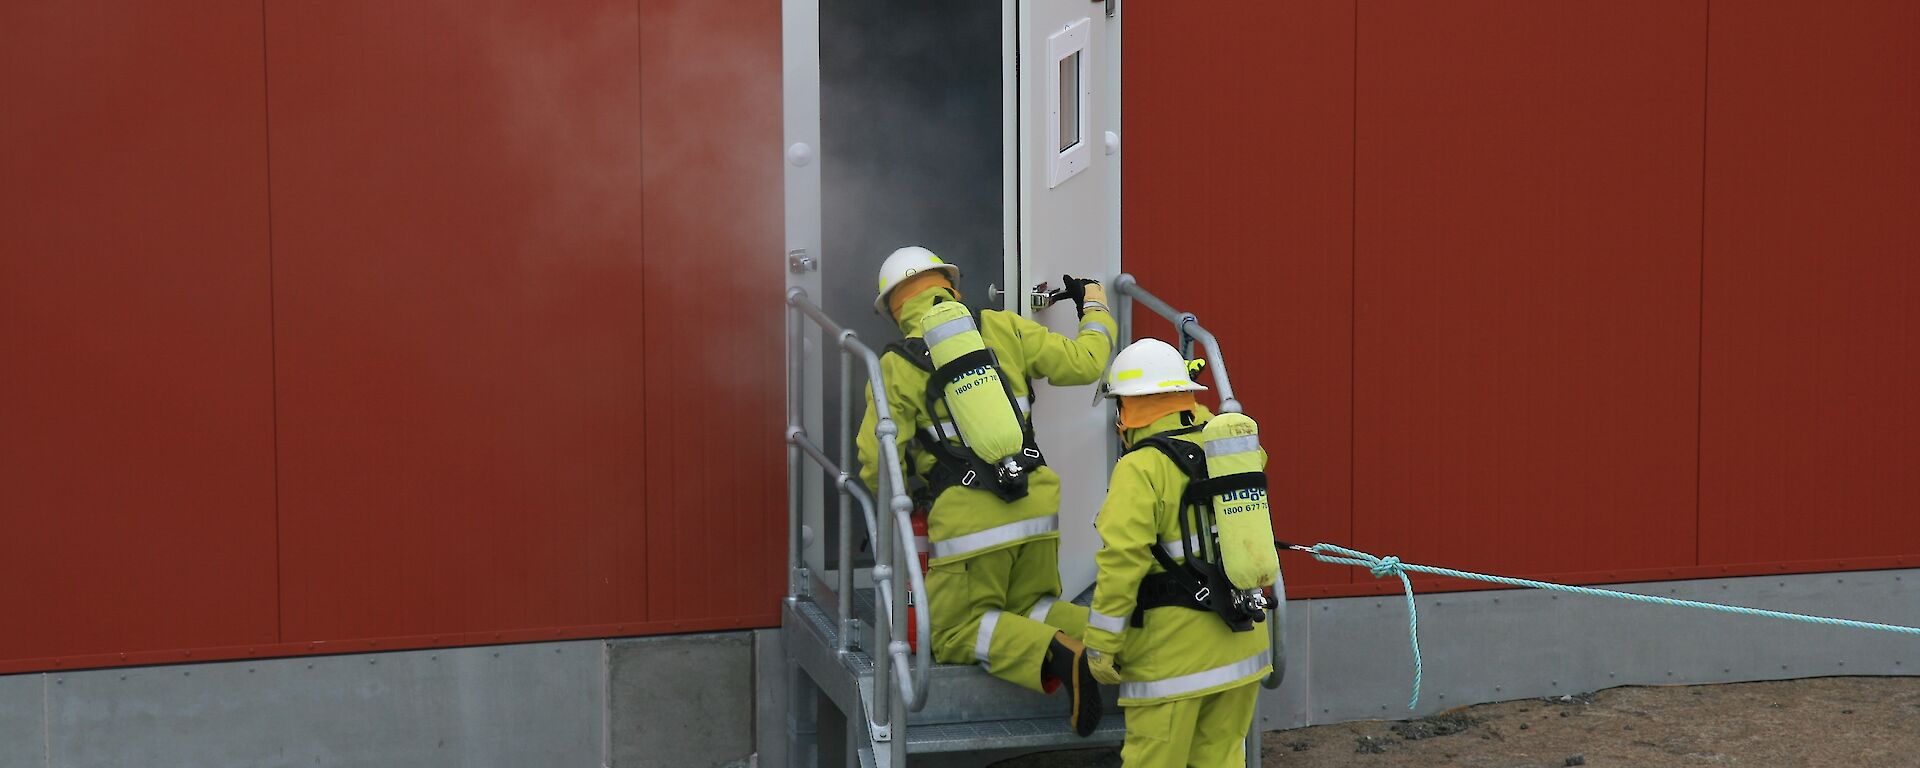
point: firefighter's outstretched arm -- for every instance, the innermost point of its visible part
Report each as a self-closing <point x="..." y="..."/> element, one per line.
<point x="1081" y="359"/>
<point x="1127" y="528"/>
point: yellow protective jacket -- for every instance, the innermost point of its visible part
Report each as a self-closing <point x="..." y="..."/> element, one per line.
<point x="964" y="521"/>
<point x="1176" y="653"/>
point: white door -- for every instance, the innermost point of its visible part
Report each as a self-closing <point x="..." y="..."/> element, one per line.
<point x="1063" y="124"/>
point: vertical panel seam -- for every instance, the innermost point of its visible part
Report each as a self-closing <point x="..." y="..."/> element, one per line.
<point x="1353" y="293"/>
<point x="1700" y="331"/>
<point x="640" y="159"/>
<point x="273" y="334"/>
<point x="46" y="722"/>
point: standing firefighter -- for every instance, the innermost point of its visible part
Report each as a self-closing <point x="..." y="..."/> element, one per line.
<point x="1186" y="546"/>
<point x="961" y="392"/>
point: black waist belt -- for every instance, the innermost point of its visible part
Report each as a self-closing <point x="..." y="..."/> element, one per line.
<point x="1168" y="590"/>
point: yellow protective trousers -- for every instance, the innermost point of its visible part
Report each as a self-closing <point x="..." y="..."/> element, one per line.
<point x="1201" y="732"/>
<point x="1001" y="609"/>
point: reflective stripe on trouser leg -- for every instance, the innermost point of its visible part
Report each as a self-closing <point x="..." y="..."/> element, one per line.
<point x="1220" y="732"/>
<point x="1196" y="682"/>
<point x="1061" y="615"/>
<point x="1015" y="647"/>
<point x="1204" y="732"/>
<point x="983" y="642"/>
<point x="1040" y="609"/>
<point x="996" y="536"/>
<point x="966" y="594"/>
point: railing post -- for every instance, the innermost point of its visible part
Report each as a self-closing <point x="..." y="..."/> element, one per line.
<point x="884" y="583"/>
<point x="796" y="373"/>
<point x="848" y="624"/>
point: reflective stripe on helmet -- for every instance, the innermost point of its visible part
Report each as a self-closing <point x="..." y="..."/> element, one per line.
<point x="997" y="536"/>
<point x="1114" y="624"/>
<point x="1197" y="681"/>
<point x="1041" y="609"/>
<point x="984" y="641"/>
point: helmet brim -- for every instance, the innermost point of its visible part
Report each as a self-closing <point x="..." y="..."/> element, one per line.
<point x="953" y="275"/>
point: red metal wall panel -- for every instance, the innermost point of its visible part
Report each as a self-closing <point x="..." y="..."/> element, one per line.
<point x="1810" y="430"/>
<point x="716" y="405"/>
<point x="459" y="293"/>
<point x="1527" y="282"/>
<point x="136" y="469"/>
<point x="1239" y="206"/>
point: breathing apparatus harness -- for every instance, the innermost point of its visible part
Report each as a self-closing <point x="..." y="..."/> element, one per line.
<point x="1200" y="583"/>
<point x="954" y="461"/>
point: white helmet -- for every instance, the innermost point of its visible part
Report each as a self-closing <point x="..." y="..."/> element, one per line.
<point x="1148" y="367"/>
<point x="907" y="262"/>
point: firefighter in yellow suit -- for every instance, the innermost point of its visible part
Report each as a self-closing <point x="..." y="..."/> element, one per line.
<point x="994" y="581"/>
<point x="1187" y="681"/>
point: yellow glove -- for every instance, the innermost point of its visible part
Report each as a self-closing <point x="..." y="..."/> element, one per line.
<point x="1086" y="294"/>
<point x="1103" y="667"/>
<point x="1095" y="295"/>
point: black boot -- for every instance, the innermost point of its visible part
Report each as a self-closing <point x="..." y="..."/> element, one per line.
<point x="1067" y="662"/>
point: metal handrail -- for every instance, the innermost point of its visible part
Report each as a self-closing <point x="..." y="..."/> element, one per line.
<point x="1188" y="326"/>
<point x="893" y="533"/>
<point x="1185" y="324"/>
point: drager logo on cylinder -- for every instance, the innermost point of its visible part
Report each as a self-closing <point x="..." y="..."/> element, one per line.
<point x="1247" y="494"/>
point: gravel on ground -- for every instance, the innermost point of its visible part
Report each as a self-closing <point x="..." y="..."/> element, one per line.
<point x="1844" y="722"/>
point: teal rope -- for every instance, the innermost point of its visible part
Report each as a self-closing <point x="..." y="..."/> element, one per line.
<point x="1384" y="566"/>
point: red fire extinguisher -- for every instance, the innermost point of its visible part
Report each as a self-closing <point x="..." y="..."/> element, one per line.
<point x="920" y="548"/>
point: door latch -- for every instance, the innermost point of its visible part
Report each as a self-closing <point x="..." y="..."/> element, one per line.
<point x="1041" y="297"/>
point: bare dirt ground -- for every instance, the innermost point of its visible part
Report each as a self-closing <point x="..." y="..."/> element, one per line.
<point x="1845" y="722"/>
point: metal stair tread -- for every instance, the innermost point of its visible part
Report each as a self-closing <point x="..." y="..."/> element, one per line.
<point x="1002" y="734"/>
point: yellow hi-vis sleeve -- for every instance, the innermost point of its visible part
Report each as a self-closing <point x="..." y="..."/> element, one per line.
<point x="1127" y="526"/>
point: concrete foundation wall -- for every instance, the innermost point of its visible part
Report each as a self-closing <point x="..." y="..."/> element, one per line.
<point x="1350" y="659"/>
<point x="682" y="701"/>
<point x="720" y="699"/>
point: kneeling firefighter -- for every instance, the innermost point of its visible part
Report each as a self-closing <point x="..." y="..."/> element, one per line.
<point x="1186" y="549"/>
<point x="960" y="391"/>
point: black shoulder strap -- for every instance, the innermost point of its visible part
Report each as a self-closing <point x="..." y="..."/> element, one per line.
<point x="1191" y="460"/>
<point x="914" y="350"/>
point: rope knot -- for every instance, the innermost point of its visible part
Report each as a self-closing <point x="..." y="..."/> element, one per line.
<point x="1386" y="566"/>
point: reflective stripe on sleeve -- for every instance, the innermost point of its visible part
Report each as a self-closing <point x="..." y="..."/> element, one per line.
<point x="993" y="537"/>
<point x="984" y="641"/>
<point x="1041" y="609"/>
<point x="1175" y="548"/>
<point x="1114" y="624"/>
<point x="1197" y="681"/>
<point x="1090" y="325"/>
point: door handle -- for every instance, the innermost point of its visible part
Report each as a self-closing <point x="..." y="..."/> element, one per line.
<point x="1040" y="297"/>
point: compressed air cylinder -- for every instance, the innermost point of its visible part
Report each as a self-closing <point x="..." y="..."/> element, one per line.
<point x="976" y="398"/>
<point x="1232" y="443"/>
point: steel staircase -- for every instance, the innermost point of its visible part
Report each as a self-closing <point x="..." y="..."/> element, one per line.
<point x="858" y="693"/>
